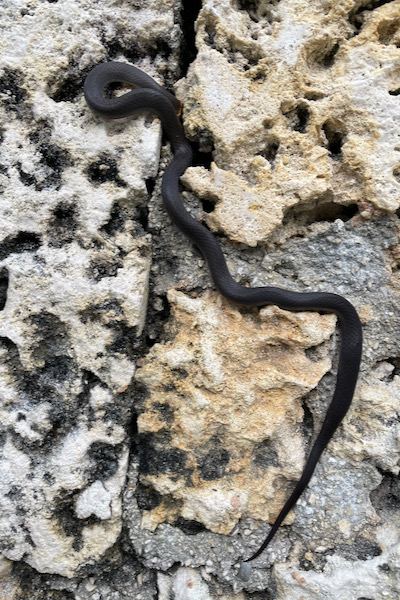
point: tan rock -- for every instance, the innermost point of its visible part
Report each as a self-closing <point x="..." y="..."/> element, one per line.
<point x="226" y="392"/>
<point x="293" y="112"/>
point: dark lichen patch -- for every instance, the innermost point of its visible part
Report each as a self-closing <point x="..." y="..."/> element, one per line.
<point x="147" y="497"/>
<point x="27" y="178"/>
<point x="156" y="457"/>
<point x="107" y="312"/>
<point x="68" y="87"/>
<point x="64" y="513"/>
<point x="121" y="44"/>
<point x="13" y="94"/>
<point x="103" y="170"/>
<point x="126" y="341"/>
<point x="62" y="225"/>
<point x="265" y="455"/>
<point x="55" y="159"/>
<point x="118" y="217"/>
<point x="104" y="459"/>
<point x="53" y="336"/>
<point x="3" y="287"/>
<point x="34" y="585"/>
<point x="24" y="241"/>
<point x="360" y="549"/>
<point x="104" y="267"/>
<point x="165" y="411"/>
<point x="214" y="465"/>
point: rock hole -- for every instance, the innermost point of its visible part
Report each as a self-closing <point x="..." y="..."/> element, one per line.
<point x="143" y="216"/>
<point x="271" y="150"/>
<point x="335" y="139"/>
<point x="357" y="16"/>
<point x="386" y="497"/>
<point x="150" y="185"/>
<point x="3" y="287"/>
<point x="189" y="527"/>
<point x="208" y="205"/>
<point x="308" y="421"/>
<point x="329" y="58"/>
<point x="158" y="313"/>
<point x="323" y="211"/>
<point x="387" y="31"/>
<point x="396" y="173"/>
<point x="395" y="92"/>
<point x="298" y="118"/>
<point x="203" y="158"/>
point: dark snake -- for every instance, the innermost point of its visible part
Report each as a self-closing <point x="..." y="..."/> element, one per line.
<point x="148" y="96"/>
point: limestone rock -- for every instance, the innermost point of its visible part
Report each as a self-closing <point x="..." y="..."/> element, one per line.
<point x="226" y="390"/>
<point x="297" y="106"/>
<point x="292" y="102"/>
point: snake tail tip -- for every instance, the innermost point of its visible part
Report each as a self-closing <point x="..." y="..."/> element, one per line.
<point x="244" y="572"/>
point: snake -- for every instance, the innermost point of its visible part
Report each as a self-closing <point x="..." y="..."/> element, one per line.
<point x="148" y="96"/>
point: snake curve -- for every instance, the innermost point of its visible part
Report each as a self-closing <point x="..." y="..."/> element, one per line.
<point x="148" y="96"/>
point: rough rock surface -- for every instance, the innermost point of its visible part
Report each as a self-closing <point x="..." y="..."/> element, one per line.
<point x="145" y="452"/>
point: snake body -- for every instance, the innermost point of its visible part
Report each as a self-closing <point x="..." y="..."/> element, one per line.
<point x="149" y="96"/>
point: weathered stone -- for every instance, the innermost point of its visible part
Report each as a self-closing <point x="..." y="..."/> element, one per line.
<point x="298" y="103"/>
<point x="227" y="390"/>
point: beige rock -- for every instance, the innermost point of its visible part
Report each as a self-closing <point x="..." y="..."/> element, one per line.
<point x="292" y="123"/>
<point x="226" y="390"/>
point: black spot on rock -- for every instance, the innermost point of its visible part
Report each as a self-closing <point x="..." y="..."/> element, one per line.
<point x="104" y="458"/>
<point x="14" y="95"/>
<point x="62" y="225"/>
<point x="104" y="169"/>
<point x="147" y="497"/>
<point x="22" y="242"/>
<point x="155" y="458"/>
<point x="214" y="464"/>
<point x="264" y="455"/>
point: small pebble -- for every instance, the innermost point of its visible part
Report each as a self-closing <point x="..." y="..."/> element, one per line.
<point x="245" y="571"/>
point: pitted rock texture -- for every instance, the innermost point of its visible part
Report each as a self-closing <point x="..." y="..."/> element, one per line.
<point x="296" y="106"/>
<point x="299" y="108"/>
